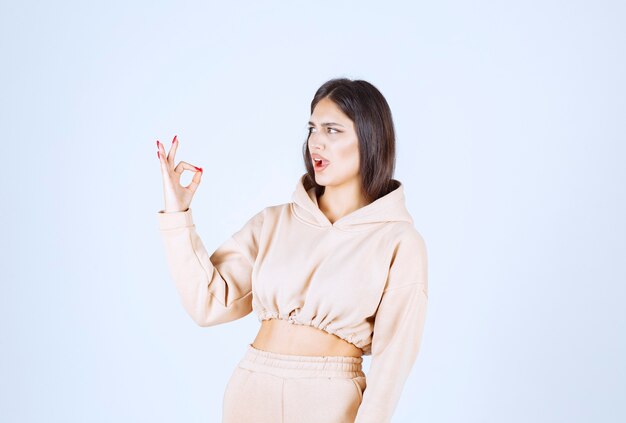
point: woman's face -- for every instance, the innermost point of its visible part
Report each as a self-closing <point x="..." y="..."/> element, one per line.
<point x="332" y="135"/>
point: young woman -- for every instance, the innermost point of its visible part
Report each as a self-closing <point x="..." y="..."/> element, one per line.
<point x="337" y="273"/>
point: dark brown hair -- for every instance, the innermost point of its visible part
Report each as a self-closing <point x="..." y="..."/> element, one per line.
<point x="364" y="104"/>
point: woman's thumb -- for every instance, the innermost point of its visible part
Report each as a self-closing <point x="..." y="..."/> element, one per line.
<point x="195" y="181"/>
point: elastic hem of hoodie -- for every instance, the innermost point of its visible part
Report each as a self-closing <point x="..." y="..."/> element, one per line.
<point x="267" y="315"/>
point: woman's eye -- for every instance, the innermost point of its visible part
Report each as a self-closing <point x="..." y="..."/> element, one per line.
<point x="330" y="129"/>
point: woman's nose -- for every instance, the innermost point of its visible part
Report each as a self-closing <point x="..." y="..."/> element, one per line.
<point x="316" y="145"/>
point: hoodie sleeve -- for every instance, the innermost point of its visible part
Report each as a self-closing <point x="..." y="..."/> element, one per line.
<point x="216" y="288"/>
<point x="398" y="328"/>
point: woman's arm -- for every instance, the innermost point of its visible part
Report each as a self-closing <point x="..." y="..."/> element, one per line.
<point x="398" y="328"/>
<point x="214" y="288"/>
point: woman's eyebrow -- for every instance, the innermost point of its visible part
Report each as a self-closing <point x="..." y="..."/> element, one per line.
<point x="327" y="124"/>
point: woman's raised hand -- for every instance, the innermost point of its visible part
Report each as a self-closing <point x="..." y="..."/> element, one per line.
<point x="177" y="197"/>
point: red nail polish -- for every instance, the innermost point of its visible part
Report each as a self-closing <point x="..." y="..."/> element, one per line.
<point x="198" y="168"/>
<point x="157" y="143"/>
<point x="174" y="140"/>
<point x="158" y="154"/>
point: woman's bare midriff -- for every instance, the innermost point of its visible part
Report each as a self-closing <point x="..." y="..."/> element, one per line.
<point x="280" y="336"/>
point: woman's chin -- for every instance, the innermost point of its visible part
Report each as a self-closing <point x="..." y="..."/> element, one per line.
<point x="322" y="179"/>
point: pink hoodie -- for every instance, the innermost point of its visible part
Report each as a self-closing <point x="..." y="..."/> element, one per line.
<point x="363" y="278"/>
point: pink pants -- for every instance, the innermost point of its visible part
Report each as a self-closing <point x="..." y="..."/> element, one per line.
<point x="268" y="387"/>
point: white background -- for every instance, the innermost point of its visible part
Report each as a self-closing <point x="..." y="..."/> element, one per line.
<point x="510" y="120"/>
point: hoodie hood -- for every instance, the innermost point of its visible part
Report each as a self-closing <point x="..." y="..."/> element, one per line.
<point x="388" y="208"/>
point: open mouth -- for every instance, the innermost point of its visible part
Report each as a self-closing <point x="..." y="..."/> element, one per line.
<point x="320" y="164"/>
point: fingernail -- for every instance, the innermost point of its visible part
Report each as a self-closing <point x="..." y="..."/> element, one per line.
<point x="159" y="154"/>
<point x="198" y="168"/>
<point x="157" y="143"/>
<point x="174" y="140"/>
